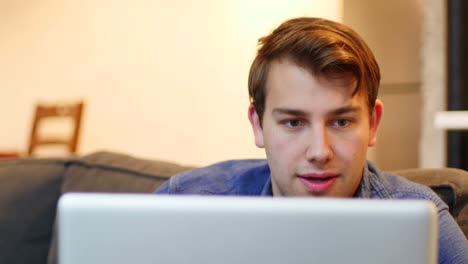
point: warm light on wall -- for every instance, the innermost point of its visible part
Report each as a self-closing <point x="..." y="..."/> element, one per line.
<point x="163" y="79"/>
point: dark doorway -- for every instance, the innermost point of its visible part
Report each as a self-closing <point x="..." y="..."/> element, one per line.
<point x="457" y="92"/>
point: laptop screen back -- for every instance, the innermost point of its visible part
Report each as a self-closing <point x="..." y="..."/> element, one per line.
<point x="136" y="228"/>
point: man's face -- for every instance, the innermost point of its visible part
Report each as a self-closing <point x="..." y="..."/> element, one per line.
<point x="315" y="132"/>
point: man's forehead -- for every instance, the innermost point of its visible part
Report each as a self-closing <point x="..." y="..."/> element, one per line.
<point x="287" y="88"/>
<point x="341" y="79"/>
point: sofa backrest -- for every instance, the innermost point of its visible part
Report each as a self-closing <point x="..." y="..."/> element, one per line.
<point x="112" y="172"/>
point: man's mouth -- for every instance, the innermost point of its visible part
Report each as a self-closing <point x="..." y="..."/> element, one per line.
<point x="318" y="182"/>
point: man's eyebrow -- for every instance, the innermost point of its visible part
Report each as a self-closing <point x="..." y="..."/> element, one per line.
<point x="288" y="111"/>
<point x="297" y="112"/>
<point x="346" y="109"/>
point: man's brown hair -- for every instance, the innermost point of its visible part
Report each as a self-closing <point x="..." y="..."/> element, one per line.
<point x="323" y="47"/>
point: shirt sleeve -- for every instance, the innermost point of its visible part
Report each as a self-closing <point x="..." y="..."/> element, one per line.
<point x="453" y="246"/>
<point x="164" y="188"/>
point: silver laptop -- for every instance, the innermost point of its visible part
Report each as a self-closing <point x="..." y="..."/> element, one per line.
<point x="146" y="228"/>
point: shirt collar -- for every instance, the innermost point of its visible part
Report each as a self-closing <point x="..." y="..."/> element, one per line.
<point x="267" y="189"/>
<point x="365" y="187"/>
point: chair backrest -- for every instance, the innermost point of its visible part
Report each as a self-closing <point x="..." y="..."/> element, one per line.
<point x="71" y="111"/>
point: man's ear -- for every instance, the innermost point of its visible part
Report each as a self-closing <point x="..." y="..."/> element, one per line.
<point x="256" y="126"/>
<point x="375" y="118"/>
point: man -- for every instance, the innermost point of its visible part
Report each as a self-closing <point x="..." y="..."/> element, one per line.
<point x="313" y="88"/>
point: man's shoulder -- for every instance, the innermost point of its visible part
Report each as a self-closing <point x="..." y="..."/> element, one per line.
<point x="232" y="177"/>
<point x="399" y="187"/>
<point x="453" y="247"/>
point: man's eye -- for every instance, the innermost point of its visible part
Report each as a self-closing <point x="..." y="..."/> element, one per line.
<point x="342" y="122"/>
<point x="293" y="123"/>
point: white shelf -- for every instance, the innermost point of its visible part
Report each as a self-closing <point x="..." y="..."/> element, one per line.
<point x="451" y="120"/>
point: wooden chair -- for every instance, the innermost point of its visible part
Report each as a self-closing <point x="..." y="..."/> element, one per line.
<point x="72" y="111"/>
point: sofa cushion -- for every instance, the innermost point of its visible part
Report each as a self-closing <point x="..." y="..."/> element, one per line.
<point x="114" y="172"/>
<point x="29" y="190"/>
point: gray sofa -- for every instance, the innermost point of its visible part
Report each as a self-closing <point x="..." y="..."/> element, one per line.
<point x="30" y="189"/>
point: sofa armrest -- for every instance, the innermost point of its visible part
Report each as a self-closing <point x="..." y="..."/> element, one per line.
<point x="29" y="190"/>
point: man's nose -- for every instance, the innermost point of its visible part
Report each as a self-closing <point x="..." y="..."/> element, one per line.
<point x="319" y="145"/>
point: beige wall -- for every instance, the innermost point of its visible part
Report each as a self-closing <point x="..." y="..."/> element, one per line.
<point x="162" y="79"/>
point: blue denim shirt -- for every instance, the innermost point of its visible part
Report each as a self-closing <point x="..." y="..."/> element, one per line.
<point x="252" y="177"/>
